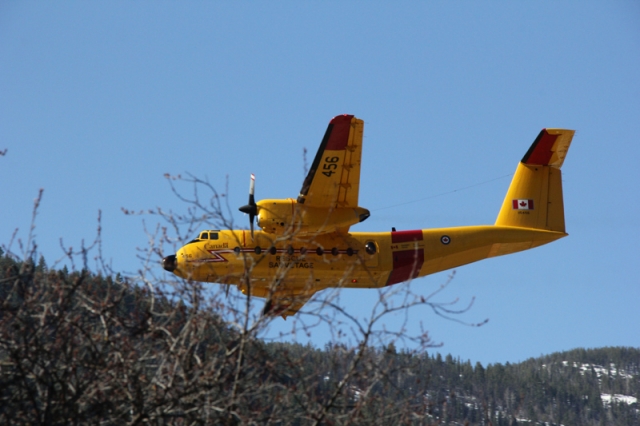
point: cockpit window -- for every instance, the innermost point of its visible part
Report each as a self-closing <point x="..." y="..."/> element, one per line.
<point x="208" y="236"/>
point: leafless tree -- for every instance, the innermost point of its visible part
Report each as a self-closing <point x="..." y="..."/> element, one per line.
<point x="88" y="345"/>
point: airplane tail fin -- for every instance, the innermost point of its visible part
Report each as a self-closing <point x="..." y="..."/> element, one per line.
<point x="534" y="198"/>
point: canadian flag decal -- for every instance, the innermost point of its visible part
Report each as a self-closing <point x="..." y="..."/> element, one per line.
<point x="523" y="204"/>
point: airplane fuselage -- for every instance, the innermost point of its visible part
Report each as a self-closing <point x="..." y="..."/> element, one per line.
<point x="354" y="260"/>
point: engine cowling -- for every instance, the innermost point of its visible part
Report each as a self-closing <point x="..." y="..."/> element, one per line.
<point x="287" y="216"/>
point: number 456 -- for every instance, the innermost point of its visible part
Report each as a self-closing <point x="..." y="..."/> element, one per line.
<point x="330" y="165"/>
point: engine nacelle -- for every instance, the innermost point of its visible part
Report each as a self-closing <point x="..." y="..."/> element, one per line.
<point x="287" y="216"/>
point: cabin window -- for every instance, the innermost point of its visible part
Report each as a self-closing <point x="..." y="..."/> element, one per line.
<point x="204" y="236"/>
<point x="370" y="247"/>
<point x="213" y="235"/>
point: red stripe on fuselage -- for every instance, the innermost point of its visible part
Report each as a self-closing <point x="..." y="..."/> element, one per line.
<point x="406" y="263"/>
<point x="339" y="133"/>
<point x="406" y="236"/>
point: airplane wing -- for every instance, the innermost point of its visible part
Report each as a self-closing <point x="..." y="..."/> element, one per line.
<point x="334" y="177"/>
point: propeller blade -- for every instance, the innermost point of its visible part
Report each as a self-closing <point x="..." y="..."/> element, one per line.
<point x="252" y="186"/>
<point x="251" y="208"/>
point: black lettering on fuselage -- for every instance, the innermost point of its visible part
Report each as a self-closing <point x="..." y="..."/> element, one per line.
<point x="216" y="246"/>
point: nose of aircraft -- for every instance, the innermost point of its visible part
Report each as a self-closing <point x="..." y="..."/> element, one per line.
<point x="169" y="263"/>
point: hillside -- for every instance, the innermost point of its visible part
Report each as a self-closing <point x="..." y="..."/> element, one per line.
<point x="76" y="347"/>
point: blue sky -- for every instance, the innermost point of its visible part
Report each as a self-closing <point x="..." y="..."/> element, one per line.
<point x="99" y="99"/>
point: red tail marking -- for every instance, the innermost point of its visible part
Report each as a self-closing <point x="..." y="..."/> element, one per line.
<point x="339" y="133"/>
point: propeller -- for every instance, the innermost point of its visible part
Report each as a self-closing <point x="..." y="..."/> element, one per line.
<point x="252" y="208"/>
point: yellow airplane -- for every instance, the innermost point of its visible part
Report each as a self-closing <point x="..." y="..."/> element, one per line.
<point x="305" y="244"/>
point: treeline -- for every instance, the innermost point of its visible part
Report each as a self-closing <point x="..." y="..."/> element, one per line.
<point x="562" y="388"/>
<point x="77" y="347"/>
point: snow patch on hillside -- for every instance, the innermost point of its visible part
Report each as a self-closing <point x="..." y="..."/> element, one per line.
<point x="599" y="369"/>
<point x="608" y="398"/>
